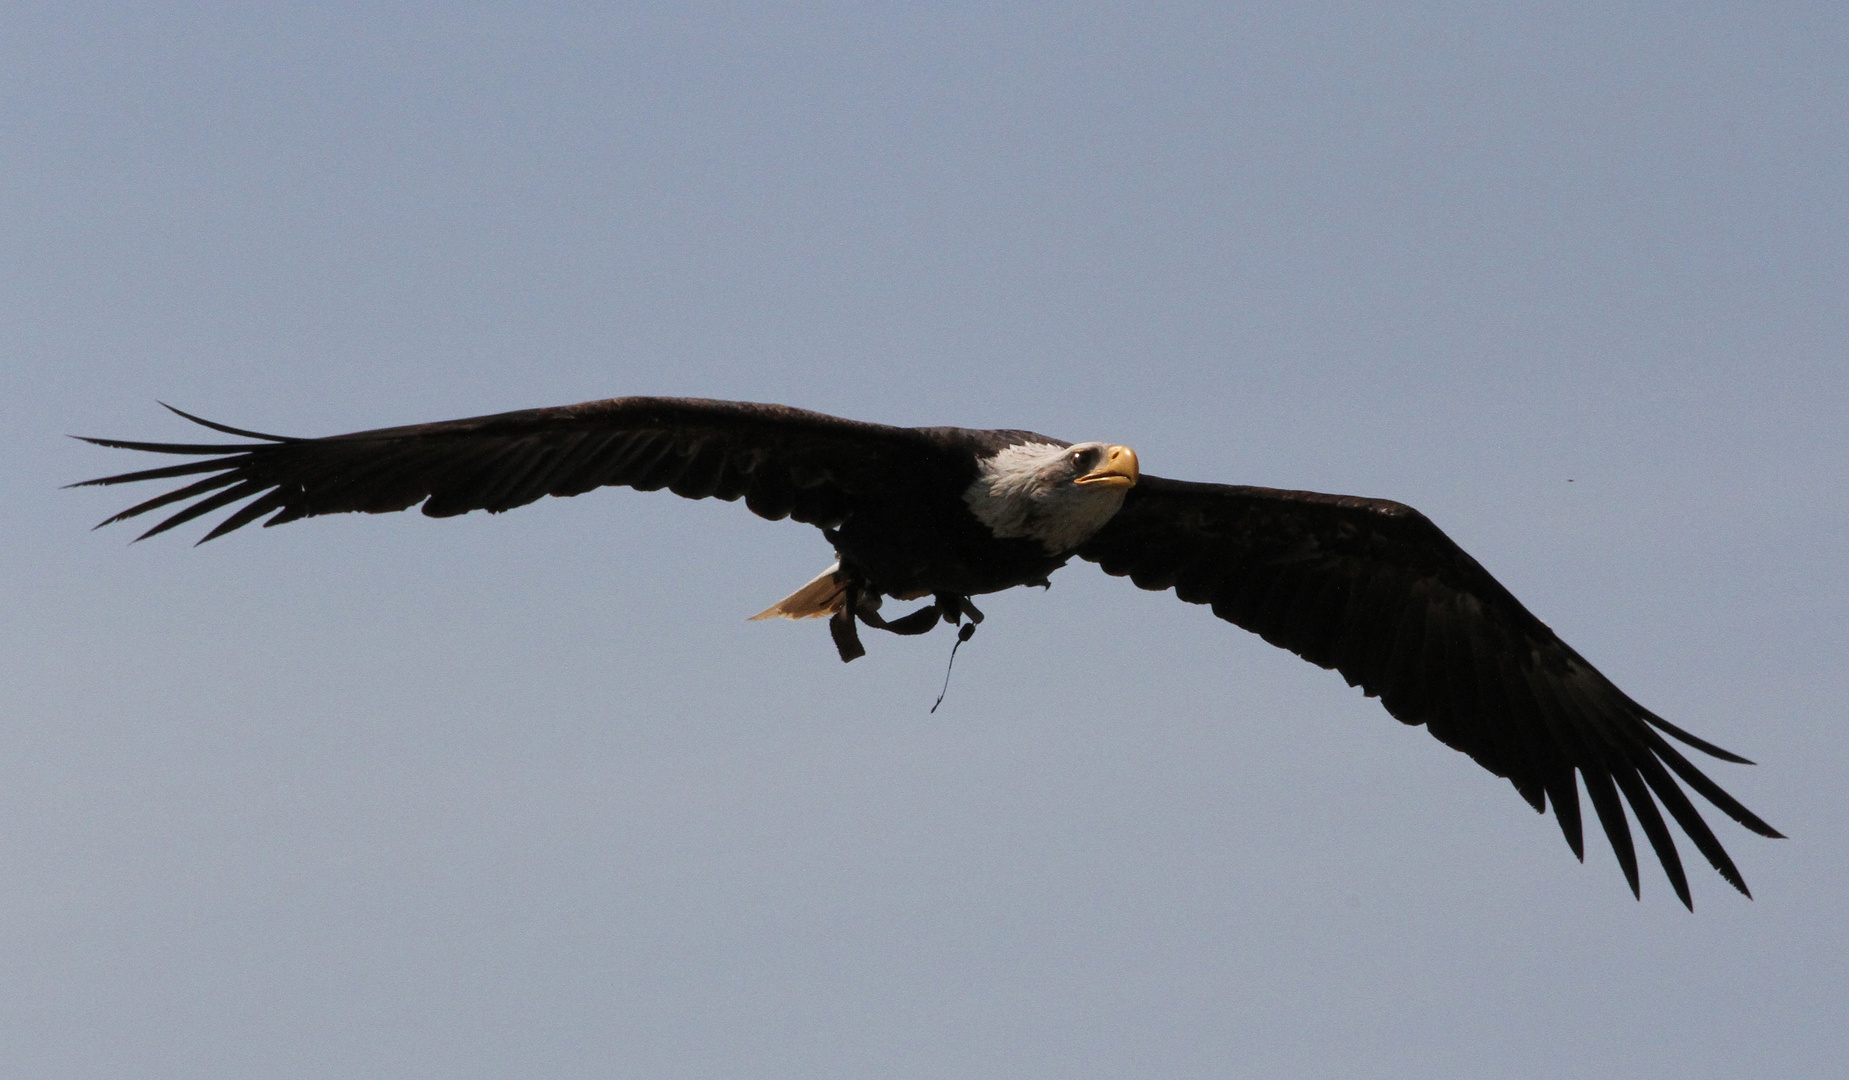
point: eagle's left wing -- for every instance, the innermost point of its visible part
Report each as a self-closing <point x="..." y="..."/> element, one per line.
<point x="1374" y="590"/>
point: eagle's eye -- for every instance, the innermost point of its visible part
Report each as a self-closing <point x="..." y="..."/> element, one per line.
<point x="1085" y="460"/>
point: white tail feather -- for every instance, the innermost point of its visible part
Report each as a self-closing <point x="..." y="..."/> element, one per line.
<point x="820" y="598"/>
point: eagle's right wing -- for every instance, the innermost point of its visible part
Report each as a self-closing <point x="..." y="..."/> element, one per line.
<point x="783" y="462"/>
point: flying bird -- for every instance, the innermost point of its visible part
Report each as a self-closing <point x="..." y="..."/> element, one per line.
<point x="1368" y="587"/>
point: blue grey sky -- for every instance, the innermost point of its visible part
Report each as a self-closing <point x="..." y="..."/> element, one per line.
<point x="526" y="796"/>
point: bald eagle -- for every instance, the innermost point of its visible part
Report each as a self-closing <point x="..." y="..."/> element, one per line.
<point x="1368" y="587"/>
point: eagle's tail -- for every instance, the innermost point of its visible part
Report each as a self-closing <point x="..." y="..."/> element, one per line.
<point x="821" y="597"/>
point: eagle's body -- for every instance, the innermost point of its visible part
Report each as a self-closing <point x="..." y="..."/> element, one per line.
<point x="1368" y="587"/>
<point x="961" y="521"/>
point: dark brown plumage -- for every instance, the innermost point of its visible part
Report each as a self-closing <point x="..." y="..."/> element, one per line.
<point x="1367" y="587"/>
<point x="1372" y="589"/>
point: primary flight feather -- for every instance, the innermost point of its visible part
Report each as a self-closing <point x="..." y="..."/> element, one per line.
<point x="1368" y="587"/>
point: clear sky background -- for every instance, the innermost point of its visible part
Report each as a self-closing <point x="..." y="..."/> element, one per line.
<point x="526" y="796"/>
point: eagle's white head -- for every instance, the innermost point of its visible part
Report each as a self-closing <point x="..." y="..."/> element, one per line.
<point x="1058" y="495"/>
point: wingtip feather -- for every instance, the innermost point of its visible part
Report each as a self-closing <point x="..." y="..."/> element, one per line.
<point x="226" y="428"/>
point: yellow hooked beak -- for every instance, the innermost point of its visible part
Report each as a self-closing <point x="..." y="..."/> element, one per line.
<point x="1117" y="470"/>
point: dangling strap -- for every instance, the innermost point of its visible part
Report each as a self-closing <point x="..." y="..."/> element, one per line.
<point x="841" y="627"/>
<point x="968" y="631"/>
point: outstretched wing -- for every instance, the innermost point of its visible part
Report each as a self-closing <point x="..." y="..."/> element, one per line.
<point x="783" y="462"/>
<point x="1374" y="590"/>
